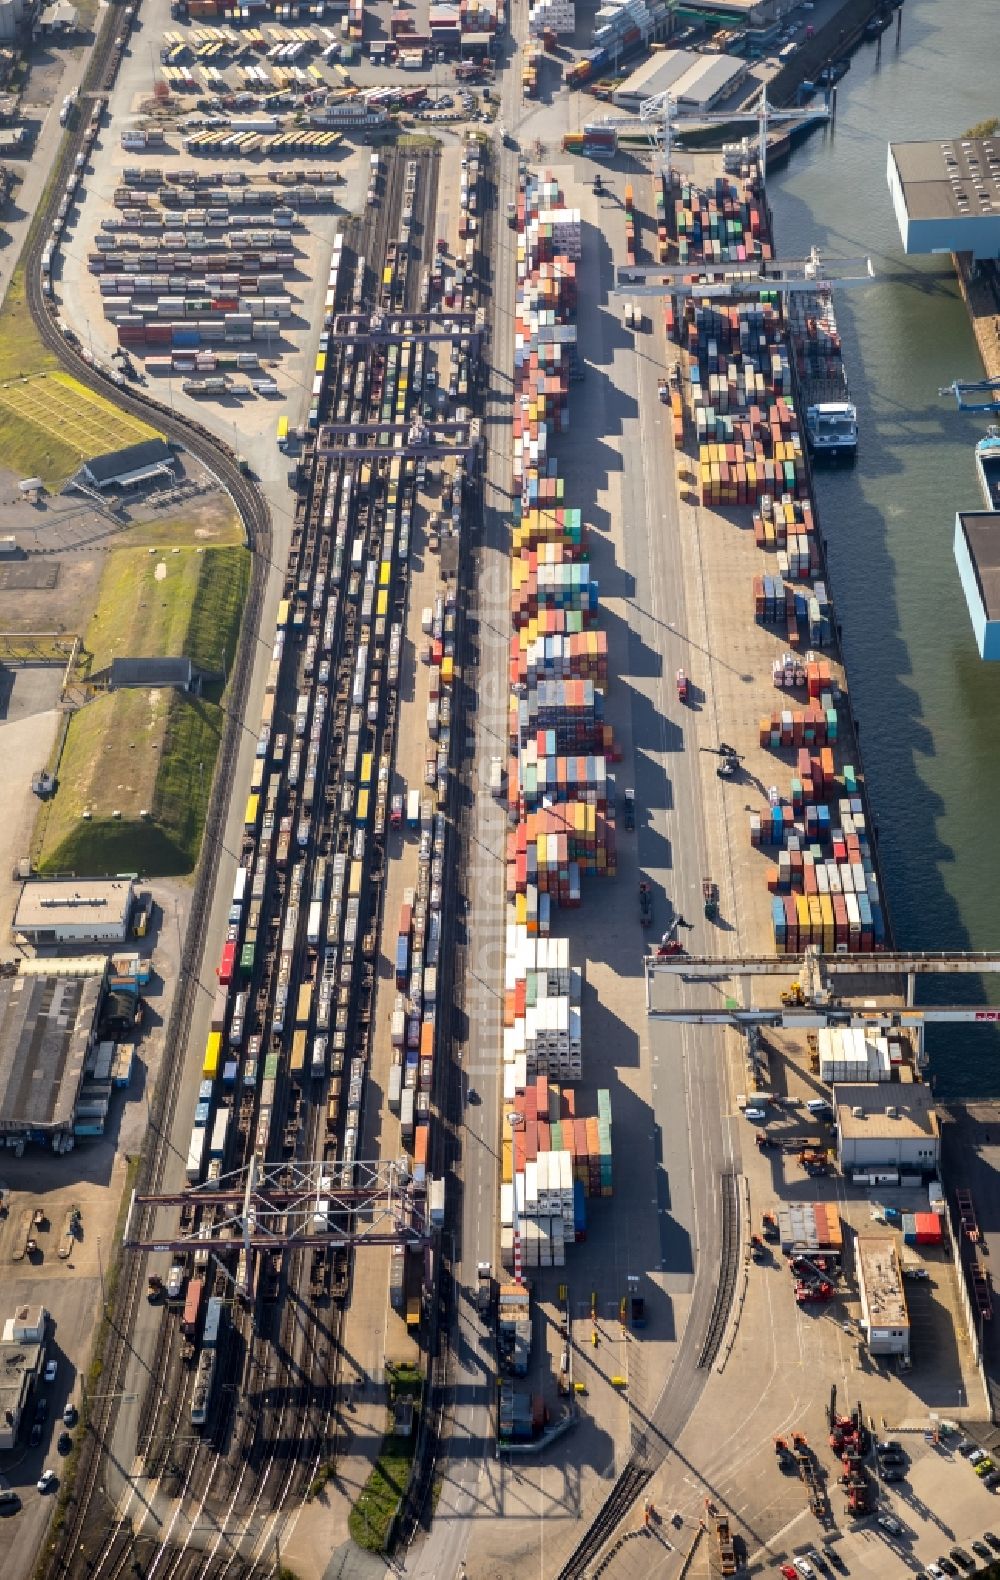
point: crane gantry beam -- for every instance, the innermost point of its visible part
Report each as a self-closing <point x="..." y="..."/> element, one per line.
<point x="661" y="110"/>
<point x="274" y="1206"/>
<point x="815" y="1001"/>
<point x="735" y="281"/>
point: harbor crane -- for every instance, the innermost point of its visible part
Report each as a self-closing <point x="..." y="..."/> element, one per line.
<point x="744" y="280"/>
<point x="661" y="112"/>
<point x="815" y="999"/>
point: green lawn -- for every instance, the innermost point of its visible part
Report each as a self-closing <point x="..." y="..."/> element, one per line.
<point x="128" y="752"/>
<point x="49" y="422"/>
<point x="372" y="1514"/>
<point x="183" y="603"/>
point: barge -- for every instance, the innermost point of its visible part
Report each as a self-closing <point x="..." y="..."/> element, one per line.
<point x="988" y="467"/>
<point x="830" y="417"/>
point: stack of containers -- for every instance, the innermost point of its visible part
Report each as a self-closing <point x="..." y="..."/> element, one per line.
<point x="542" y="995"/>
<point x="559" y="750"/>
<point x="551" y="16"/>
<point x="629" y="223"/>
<point x="824" y="887"/>
<point x="597" y="140"/>
<point x="848" y="1057"/>
<point x="531" y="54"/>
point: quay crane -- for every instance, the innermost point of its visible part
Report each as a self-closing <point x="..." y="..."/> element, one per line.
<point x="661" y="112"/>
<point x="744" y="280"/>
<point x="813" y="1000"/>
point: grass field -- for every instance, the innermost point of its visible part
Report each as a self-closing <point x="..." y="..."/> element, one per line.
<point x="48" y="422"/>
<point x="180" y="604"/>
<point x="217" y="528"/>
<point x="372" y="1514"/>
<point x="128" y="752"/>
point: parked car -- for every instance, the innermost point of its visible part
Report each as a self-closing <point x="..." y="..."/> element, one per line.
<point x="962" y="1558"/>
<point x="889" y="1524"/>
<point x="51" y="1368"/>
<point x="46" y="1481"/>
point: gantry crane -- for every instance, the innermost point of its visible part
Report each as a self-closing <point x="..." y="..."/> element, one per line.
<point x="817" y="1002"/>
<point x="661" y="112"/>
<point x="735" y="281"/>
<point x="274" y="1206"/>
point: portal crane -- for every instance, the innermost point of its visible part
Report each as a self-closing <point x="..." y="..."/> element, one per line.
<point x="661" y="111"/>
<point x="275" y="1206"/>
<point x="815" y="1000"/>
<point x="744" y="280"/>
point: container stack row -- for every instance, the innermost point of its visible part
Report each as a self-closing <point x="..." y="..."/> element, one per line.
<point x="542" y="1016"/>
<point x="849" y="1056"/>
<point x="823" y="884"/>
<point x="559" y="801"/>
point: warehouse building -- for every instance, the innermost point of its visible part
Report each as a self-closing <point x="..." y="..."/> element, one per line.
<point x="136" y="463"/>
<point x="884" y="1314"/>
<point x="79" y="911"/>
<point x="887" y="1126"/>
<point x="977" y="555"/>
<point x="946" y="195"/>
<point x="48" y="1026"/>
<point x="22" y="1355"/>
<point x="695" y="82"/>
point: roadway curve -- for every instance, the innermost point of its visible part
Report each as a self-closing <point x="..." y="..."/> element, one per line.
<point x="256" y="516"/>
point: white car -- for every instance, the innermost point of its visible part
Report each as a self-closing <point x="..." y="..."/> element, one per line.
<point x="889" y="1524"/>
<point x="805" y="1568"/>
<point x="51" y="1368"/>
<point x="756" y="1116"/>
<point x="46" y="1481"/>
<point x="935" y="1573"/>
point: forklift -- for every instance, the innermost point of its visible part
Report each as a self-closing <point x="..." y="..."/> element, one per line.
<point x="729" y="759"/>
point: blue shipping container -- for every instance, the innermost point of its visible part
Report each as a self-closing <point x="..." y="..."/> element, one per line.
<point x="229" y="1072"/>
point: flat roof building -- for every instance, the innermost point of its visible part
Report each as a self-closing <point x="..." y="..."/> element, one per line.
<point x="80" y="911"/>
<point x="887" y="1125"/>
<point x="977" y="555"/>
<point x="48" y="1025"/>
<point x="884" y="1313"/>
<point x="946" y="195"/>
<point x="20" y="1368"/>
<point x="695" y="81"/>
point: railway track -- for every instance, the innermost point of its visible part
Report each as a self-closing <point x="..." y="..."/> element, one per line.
<point x="729" y="1262"/>
<point x="264" y="1449"/>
